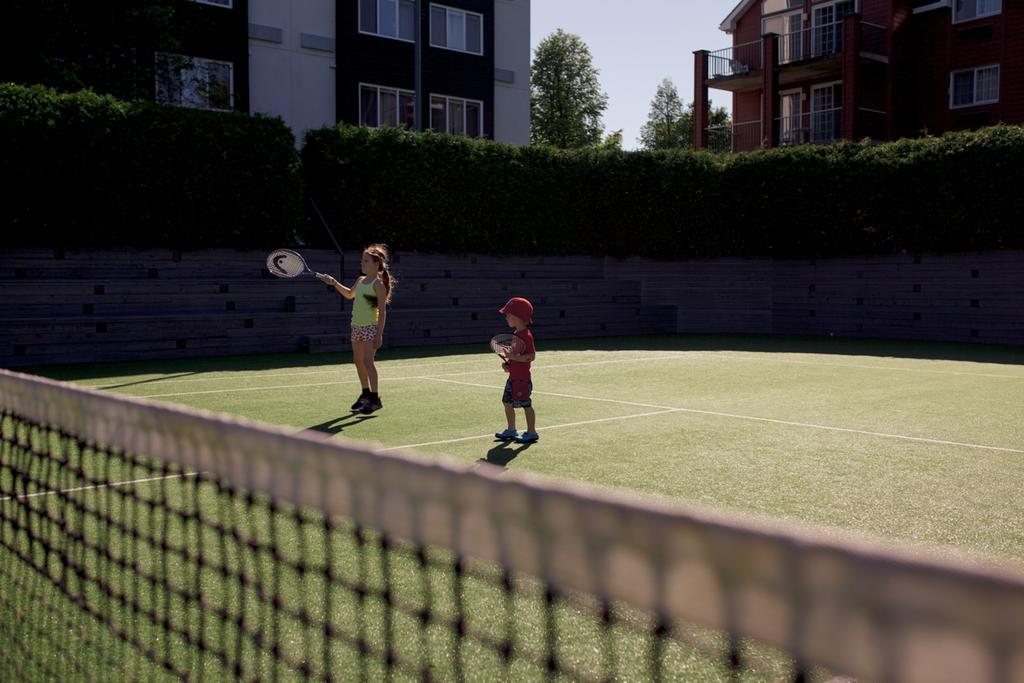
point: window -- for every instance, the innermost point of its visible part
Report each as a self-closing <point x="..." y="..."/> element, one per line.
<point x="382" y="106"/>
<point x="791" y="120"/>
<point x="456" y="30"/>
<point x="456" y="116"/>
<point x="388" y="18"/>
<point x="965" y="10"/>
<point x="826" y="112"/>
<point x="194" y="82"/>
<point x="791" y="39"/>
<point x="974" y="86"/>
<point x="827" y="27"/>
<point x="771" y="6"/>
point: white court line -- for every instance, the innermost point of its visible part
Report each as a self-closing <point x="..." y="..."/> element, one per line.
<point x="673" y="356"/>
<point x="112" y="484"/>
<point x="752" y="418"/>
<point x="867" y="367"/>
<point x="347" y="367"/>
<point x="549" y="427"/>
<point x="391" y="379"/>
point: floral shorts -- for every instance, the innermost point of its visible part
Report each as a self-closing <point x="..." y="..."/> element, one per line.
<point x="364" y="333"/>
<point x="517" y="392"/>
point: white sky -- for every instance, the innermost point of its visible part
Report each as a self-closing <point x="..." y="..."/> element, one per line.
<point x="635" y="45"/>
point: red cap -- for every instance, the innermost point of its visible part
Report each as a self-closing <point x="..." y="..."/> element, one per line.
<point x="520" y="308"/>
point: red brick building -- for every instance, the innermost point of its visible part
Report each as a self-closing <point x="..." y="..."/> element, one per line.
<point x="821" y="70"/>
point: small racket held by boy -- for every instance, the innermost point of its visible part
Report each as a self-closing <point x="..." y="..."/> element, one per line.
<point x="506" y="345"/>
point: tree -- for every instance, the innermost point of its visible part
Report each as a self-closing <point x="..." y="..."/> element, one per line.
<point x="670" y="124"/>
<point x="612" y="143"/>
<point x="720" y="137"/>
<point x="667" y="120"/>
<point x="566" y="101"/>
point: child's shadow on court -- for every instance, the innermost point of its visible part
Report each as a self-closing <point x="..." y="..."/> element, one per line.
<point x="337" y="425"/>
<point x="504" y="453"/>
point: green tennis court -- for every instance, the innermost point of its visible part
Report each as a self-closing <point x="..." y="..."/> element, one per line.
<point x="919" y="443"/>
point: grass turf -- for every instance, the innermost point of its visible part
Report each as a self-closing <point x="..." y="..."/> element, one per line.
<point x="920" y="443"/>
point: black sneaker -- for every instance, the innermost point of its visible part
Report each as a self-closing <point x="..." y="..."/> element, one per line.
<point x="372" y="404"/>
<point x="361" y="401"/>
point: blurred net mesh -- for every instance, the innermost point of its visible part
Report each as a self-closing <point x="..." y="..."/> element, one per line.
<point x="148" y="542"/>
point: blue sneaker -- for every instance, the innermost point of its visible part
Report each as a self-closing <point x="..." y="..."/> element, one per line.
<point x="507" y="435"/>
<point x="528" y="437"/>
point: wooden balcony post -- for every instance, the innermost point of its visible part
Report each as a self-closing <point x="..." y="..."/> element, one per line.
<point x="770" y="89"/>
<point x="851" y="74"/>
<point x="701" y="115"/>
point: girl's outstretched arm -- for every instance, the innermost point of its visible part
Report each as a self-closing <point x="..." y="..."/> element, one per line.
<point x="347" y="292"/>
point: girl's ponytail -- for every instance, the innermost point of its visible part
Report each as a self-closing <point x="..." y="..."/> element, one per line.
<point x="385" y="277"/>
<point x="380" y="254"/>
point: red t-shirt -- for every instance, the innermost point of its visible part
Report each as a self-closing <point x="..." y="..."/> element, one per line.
<point x="521" y="369"/>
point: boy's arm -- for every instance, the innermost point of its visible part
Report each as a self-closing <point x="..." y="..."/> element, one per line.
<point x="522" y="358"/>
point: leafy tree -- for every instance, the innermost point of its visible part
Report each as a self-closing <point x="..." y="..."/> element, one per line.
<point x="667" y="120"/>
<point x="105" y="46"/>
<point x="566" y="101"/>
<point x="613" y="142"/>
<point x="670" y="124"/>
<point x="720" y="139"/>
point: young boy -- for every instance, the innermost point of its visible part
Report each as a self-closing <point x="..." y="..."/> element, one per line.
<point x="518" y="314"/>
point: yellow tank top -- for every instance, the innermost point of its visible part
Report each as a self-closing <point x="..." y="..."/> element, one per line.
<point x="363" y="312"/>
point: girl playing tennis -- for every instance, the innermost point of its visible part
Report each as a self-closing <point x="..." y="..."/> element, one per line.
<point x="370" y="295"/>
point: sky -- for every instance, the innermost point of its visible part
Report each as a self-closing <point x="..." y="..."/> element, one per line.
<point x="635" y="45"/>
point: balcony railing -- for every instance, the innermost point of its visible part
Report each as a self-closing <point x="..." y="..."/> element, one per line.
<point x="825" y="40"/>
<point x="735" y="137"/>
<point x="735" y="61"/>
<point x="825" y="125"/>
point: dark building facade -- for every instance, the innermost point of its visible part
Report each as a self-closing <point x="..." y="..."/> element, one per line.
<point x="376" y="77"/>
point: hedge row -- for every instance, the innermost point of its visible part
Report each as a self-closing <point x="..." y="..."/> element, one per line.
<point x="86" y="170"/>
<point x="89" y="170"/>
<point x="960" y="192"/>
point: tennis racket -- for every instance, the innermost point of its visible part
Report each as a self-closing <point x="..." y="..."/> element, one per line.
<point x="506" y="345"/>
<point x="288" y="263"/>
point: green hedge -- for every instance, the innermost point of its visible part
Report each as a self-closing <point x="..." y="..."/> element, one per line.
<point x="89" y="170"/>
<point x="959" y="192"/>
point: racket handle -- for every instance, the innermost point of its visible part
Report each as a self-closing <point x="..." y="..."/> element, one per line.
<point x="319" y="276"/>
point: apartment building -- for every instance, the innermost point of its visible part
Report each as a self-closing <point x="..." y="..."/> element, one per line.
<point x="319" y="62"/>
<point x="806" y="71"/>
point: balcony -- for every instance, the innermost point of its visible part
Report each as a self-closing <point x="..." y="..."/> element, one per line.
<point x="807" y="54"/>
<point x="843" y="65"/>
<point x="819" y="127"/>
<point x="736" y="137"/>
<point x="736" y="68"/>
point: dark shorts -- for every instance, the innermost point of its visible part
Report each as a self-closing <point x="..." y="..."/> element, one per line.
<point x="517" y="392"/>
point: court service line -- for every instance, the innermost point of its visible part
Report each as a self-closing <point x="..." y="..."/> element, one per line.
<point x="546" y="428"/>
<point x="753" y="418"/>
<point x="390" y="379"/>
<point x="672" y="356"/>
<point x="346" y="367"/>
<point x="860" y="366"/>
<point x="113" y="484"/>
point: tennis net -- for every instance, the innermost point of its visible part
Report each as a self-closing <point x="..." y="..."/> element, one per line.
<point x="144" y="541"/>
